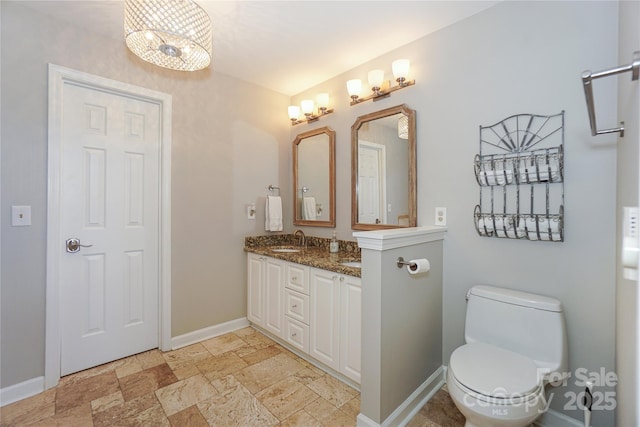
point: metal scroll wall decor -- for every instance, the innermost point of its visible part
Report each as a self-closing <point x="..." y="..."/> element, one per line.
<point x="520" y="171"/>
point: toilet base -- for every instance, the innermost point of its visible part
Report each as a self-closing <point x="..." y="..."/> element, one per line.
<point x="483" y="414"/>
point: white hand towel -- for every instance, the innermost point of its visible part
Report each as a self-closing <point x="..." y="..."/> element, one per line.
<point x="547" y="229"/>
<point x="309" y="208"/>
<point x="497" y="177"/>
<point x="501" y="226"/>
<point x="273" y="214"/>
<point x="529" y="173"/>
<point x="500" y="223"/>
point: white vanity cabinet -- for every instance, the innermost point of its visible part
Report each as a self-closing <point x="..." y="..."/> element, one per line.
<point x="350" y="326"/>
<point x="336" y="301"/>
<point x="317" y="312"/>
<point x="265" y="293"/>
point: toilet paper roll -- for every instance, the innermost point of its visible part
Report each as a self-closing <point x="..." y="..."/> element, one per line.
<point x="417" y="266"/>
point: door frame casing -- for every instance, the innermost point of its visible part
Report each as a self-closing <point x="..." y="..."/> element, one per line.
<point x="58" y="78"/>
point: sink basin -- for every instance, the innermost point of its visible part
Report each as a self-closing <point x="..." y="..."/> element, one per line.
<point x="285" y="250"/>
<point x="354" y="264"/>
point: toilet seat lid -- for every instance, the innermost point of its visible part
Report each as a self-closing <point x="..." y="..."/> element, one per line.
<point x="493" y="371"/>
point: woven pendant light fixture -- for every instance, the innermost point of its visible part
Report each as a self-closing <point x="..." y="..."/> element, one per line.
<point x="403" y="127"/>
<point x="173" y="34"/>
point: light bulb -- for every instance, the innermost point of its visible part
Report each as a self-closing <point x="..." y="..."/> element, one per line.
<point x="322" y="99"/>
<point x="294" y="112"/>
<point x="400" y="69"/>
<point x="376" y="77"/>
<point x="307" y="107"/>
<point x="354" y="87"/>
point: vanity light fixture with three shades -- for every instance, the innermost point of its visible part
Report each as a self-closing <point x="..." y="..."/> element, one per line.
<point x="400" y="69"/>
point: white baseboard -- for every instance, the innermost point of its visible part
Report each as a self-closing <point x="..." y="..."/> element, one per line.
<point x="364" y="421"/>
<point x="22" y="390"/>
<point x="553" y="418"/>
<point x="410" y="407"/>
<point x="208" y="332"/>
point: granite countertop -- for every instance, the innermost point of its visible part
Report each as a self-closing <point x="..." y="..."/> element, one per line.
<point x="313" y="256"/>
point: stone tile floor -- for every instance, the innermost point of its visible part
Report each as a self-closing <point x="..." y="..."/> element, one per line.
<point x="237" y="379"/>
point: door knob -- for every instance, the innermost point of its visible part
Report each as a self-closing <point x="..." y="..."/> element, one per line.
<point x="73" y="245"/>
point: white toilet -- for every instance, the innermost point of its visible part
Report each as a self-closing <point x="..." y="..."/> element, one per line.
<point x="515" y="343"/>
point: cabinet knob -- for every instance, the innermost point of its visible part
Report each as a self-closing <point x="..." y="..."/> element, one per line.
<point x="294" y="279"/>
<point x="342" y="279"/>
<point x="293" y="335"/>
<point x="334" y="277"/>
<point x="294" y="305"/>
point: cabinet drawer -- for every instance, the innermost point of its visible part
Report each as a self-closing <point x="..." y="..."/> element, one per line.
<point x="296" y="334"/>
<point x="296" y="305"/>
<point x="297" y="278"/>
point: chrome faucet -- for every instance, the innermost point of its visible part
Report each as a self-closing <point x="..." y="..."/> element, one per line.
<point x="302" y="240"/>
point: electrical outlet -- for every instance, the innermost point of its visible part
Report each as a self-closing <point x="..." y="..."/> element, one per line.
<point x="441" y="216"/>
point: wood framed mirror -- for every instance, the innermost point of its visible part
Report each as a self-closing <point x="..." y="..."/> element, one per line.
<point x="314" y="178"/>
<point x="383" y="169"/>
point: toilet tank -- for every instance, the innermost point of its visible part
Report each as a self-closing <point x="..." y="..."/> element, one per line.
<point x="529" y="324"/>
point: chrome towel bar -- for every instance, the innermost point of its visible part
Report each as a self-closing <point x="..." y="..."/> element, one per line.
<point x="588" y="77"/>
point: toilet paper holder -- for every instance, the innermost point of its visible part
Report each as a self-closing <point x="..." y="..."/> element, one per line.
<point x="401" y="263"/>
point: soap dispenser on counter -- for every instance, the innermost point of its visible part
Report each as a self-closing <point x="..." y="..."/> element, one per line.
<point x="334" y="246"/>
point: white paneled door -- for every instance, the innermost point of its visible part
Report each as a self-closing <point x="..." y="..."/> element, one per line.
<point x="109" y="198"/>
<point x="371" y="183"/>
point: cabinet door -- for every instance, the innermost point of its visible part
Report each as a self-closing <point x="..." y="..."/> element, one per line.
<point x="324" y="339"/>
<point x="255" y="290"/>
<point x="350" y="326"/>
<point x="274" y="296"/>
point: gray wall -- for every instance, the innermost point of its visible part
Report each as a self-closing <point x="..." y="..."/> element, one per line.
<point x="217" y="120"/>
<point x="517" y="57"/>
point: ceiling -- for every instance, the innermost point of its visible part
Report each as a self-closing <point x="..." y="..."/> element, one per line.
<point x="289" y="46"/>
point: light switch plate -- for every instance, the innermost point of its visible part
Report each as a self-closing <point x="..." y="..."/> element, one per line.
<point x="441" y="216"/>
<point x="630" y="243"/>
<point x="251" y="211"/>
<point x="20" y="216"/>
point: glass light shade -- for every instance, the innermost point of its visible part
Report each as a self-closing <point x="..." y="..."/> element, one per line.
<point x="307" y="106"/>
<point x="403" y="127"/>
<point x="376" y="77"/>
<point x="400" y="68"/>
<point x="294" y="112"/>
<point x="168" y="33"/>
<point x="322" y="99"/>
<point x="354" y="87"/>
